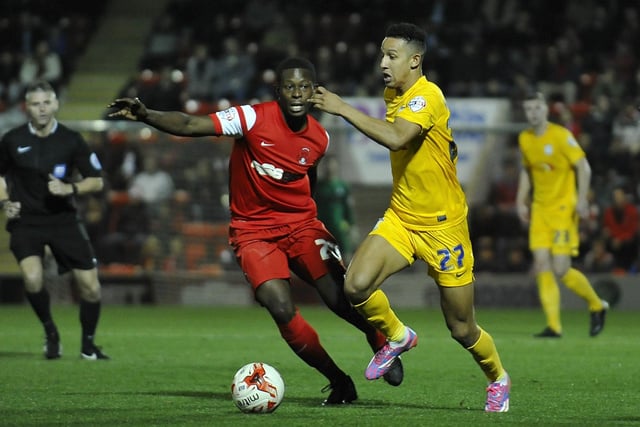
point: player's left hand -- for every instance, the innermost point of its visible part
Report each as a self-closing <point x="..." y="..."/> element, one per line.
<point x="59" y="188"/>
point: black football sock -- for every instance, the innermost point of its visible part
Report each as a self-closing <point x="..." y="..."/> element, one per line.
<point x="41" y="304"/>
<point x="89" y="315"/>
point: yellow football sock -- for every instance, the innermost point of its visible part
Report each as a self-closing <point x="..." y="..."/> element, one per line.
<point x="486" y="355"/>
<point x="378" y="312"/>
<point x="550" y="299"/>
<point x="579" y="284"/>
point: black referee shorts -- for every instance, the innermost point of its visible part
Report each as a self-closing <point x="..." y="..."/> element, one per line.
<point x="68" y="242"/>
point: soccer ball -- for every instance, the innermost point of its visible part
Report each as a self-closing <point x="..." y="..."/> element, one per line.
<point x="257" y="388"/>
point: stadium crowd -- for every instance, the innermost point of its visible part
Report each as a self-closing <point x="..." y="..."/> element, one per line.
<point x="581" y="53"/>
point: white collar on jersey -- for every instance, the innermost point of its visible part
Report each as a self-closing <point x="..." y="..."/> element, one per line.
<point x="53" y="128"/>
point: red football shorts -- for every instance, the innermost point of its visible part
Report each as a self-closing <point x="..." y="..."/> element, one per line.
<point x="305" y="247"/>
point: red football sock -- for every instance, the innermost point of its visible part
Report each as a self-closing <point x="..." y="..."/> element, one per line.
<point x="304" y="341"/>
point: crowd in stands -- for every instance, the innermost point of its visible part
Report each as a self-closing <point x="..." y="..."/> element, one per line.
<point x="583" y="54"/>
<point x="41" y="39"/>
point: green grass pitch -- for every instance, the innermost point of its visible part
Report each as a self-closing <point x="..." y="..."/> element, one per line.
<point x="172" y="366"/>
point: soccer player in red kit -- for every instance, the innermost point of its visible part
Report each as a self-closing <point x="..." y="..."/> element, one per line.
<point x="274" y="227"/>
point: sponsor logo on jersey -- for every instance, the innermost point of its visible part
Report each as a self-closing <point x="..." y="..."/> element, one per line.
<point x="267" y="169"/>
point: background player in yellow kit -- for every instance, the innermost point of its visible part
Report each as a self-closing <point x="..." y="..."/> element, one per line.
<point x="556" y="174"/>
<point x="427" y="215"/>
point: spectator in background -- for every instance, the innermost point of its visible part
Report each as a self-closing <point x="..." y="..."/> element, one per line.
<point x="626" y="129"/>
<point x="502" y="196"/>
<point x="152" y="185"/>
<point x="517" y="260"/>
<point x="206" y="190"/>
<point x="590" y="227"/>
<point x="199" y="72"/>
<point x="555" y="177"/>
<point x="167" y="92"/>
<point x="608" y="84"/>
<point x="482" y="222"/>
<point x="129" y="227"/>
<point x="626" y="134"/>
<point x="163" y="44"/>
<point x="486" y="259"/>
<point x="598" y="125"/>
<point x="620" y="229"/>
<point x="335" y="205"/>
<point x="599" y="259"/>
<point x="42" y="64"/>
<point x="279" y="39"/>
<point x="122" y="161"/>
<point x="234" y="71"/>
<point x="10" y="87"/>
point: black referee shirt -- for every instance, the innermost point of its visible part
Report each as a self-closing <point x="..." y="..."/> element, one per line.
<point x="26" y="160"/>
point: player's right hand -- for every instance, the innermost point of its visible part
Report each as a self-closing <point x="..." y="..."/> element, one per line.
<point x="128" y="108"/>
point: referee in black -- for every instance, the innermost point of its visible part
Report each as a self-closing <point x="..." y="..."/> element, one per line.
<point x="38" y="163"/>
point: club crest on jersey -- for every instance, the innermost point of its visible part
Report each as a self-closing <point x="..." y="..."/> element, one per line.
<point x="416" y="104"/>
<point x="59" y="171"/>
<point x="303" y="156"/>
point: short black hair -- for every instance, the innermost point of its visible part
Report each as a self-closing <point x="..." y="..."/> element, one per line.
<point x="411" y="33"/>
<point x="295" y="62"/>
<point x="37" y="85"/>
<point x="532" y="95"/>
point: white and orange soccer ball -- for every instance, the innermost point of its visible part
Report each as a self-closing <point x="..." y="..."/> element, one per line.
<point x="257" y="388"/>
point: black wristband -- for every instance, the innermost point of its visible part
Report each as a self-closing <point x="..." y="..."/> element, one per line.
<point x="75" y="189"/>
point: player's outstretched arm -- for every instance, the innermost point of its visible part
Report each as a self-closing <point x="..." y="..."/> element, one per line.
<point x="174" y="122"/>
<point x="395" y="136"/>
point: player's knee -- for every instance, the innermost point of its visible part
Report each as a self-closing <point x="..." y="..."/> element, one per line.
<point x="281" y="309"/>
<point x="358" y="287"/>
<point x="560" y="269"/>
<point x="32" y="281"/>
<point x="90" y="293"/>
<point x="281" y="313"/>
<point x="464" y="333"/>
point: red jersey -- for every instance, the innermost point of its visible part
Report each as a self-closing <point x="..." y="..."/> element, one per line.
<point x="268" y="182"/>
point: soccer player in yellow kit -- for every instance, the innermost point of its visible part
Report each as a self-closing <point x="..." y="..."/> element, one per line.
<point x="556" y="174"/>
<point x="427" y="215"/>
